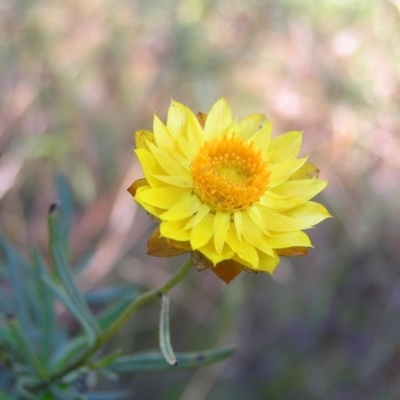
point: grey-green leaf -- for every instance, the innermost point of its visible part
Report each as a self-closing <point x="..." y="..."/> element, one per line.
<point x="109" y="294"/>
<point x="59" y="253"/>
<point x="18" y="285"/>
<point x="67" y="209"/>
<point x="151" y="361"/>
<point x="45" y="299"/>
<point x="164" y="335"/>
<point x="74" y="309"/>
<point x="68" y="352"/>
<point x="25" y="349"/>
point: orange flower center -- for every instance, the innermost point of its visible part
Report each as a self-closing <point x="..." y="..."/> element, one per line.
<point x="229" y="174"/>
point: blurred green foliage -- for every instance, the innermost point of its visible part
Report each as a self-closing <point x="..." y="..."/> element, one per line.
<point x="41" y="358"/>
<point x="77" y="78"/>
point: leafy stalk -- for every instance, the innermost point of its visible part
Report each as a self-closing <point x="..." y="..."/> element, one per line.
<point x="76" y="299"/>
<point x="116" y="325"/>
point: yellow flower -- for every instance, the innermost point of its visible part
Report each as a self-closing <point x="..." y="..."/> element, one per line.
<point x="225" y="191"/>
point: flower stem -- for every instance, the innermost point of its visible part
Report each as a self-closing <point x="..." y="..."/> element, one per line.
<point x="105" y="336"/>
<point x="146" y="298"/>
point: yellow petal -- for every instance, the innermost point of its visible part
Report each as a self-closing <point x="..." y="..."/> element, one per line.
<point x="150" y="166"/>
<point x="238" y="219"/>
<point x="233" y="129"/>
<point x="292" y="194"/>
<point x="309" y="213"/>
<point x="221" y="225"/>
<point x="252" y="124"/>
<point x="177" y="148"/>
<point x="307" y="171"/>
<point x="153" y="211"/>
<point x="162" y="135"/>
<point x="182" y="181"/>
<point x="262" y="139"/>
<point x="161" y="197"/>
<point x="254" y="236"/>
<point x="300" y="188"/>
<point x="203" y="211"/>
<point x="186" y="206"/>
<point x="194" y="130"/>
<point x="188" y="149"/>
<point x="201" y="233"/>
<point x="268" y="219"/>
<point x="285" y="147"/>
<point x="283" y="171"/>
<point x="219" y="119"/>
<point x="209" y="251"/>
<point x="279" y="204"/>
<point x="142" y="138"/>
<point x="243" y="249"/>
<point x="170" y="165"/>
<point x="289" y="239"/>
<point x="268" y="264"/>
<point x="182" y="159"/>
<point x="175" y="230"/>
<point x="176" y="119"/>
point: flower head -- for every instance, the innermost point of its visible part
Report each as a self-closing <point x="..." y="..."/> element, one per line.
<point x="225" y="191"/>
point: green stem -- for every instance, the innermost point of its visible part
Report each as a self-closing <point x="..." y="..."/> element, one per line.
<point x="105" y="336"/>
<point x="146" y="298"/>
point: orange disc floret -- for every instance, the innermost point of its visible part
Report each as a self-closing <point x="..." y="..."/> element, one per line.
<point x="229" y="174"/>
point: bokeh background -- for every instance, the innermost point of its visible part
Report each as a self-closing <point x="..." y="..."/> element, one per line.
<point x="77" y="77"/>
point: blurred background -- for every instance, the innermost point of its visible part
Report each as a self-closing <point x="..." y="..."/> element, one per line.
<point x="77" y="78"/>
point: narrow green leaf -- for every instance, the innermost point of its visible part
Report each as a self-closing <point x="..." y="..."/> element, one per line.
<point x="74" y="309"/>
<point x="164" y="335"/>
<point x="68" y="352"/>
<point x="107" y="374"/>
<point x="108" y="359"/>
<point x="109" y="294"/>
<point x="25" y="350"/>
<point x="23" y="302"/>
<point x="151" y="361"/>
<point x="67" y="209"/>
<point x="19" y="290"/>
<point x="59" y="253"/>
<point x="46" y="299"/>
